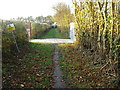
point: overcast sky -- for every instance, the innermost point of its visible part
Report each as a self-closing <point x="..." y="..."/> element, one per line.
<point x="17" y="8"/>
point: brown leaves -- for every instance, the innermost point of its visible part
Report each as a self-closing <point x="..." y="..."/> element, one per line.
<point x="79" y="69"/>
<point x="34" y="70"/>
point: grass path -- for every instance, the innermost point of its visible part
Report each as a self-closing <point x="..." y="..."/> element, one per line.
<point x="53" y="33"/>
<point x="35" y="69"/>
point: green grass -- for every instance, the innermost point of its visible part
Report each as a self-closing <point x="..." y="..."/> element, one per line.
<point x="53" y="33"/>
<point x="41" y="62"/>
<point x="35" y="69"/>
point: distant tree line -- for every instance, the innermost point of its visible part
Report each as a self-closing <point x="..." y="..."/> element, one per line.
<point x="38" y="19"/>
<point x="63" y="17"/>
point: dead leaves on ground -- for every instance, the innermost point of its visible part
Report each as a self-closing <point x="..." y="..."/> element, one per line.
<point x="34" y="70"/>
<point x="80" y="70"/>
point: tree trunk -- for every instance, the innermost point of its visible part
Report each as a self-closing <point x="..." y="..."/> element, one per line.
<point x="105" y="26"/>
<point x="101" y="28"/>
<point x="111" y="31"/>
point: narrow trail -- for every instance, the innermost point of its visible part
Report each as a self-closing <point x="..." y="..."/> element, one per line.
<point x="57" y="75"/>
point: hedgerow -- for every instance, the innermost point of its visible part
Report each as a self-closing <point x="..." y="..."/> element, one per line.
<point x="8" y="43"/>
<point x="38" y="30"/>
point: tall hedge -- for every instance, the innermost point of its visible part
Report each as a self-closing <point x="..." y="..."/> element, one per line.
<point x="38" y="29"/>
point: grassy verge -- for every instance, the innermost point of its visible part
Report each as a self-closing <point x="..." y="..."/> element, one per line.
<point x="80" y="69"/>
<point x="33" y="70"/>
<point x="53" y="33"/>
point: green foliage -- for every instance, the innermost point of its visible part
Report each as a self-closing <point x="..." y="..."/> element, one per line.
<point x="63" y="17"/>
<point x="97" y="27"/>
<point x="38" y="19"/>
<point x="118" y="45"/>
<point x="41" y="19"/>
<point x="91" y="61"/>
<point x="8" y="44"/>
<point x="38" y="29"/>
<point x="53" y="33"/>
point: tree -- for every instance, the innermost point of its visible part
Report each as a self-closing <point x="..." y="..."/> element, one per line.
<point x="97" y="28"/>
<point x="48" y="19"/>
<point x="63" y="17"/>
<point x="30" y="19"/>
<point x="41" y="19"/>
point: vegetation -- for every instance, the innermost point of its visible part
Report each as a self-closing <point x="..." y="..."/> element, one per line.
<point x="90" y="62"/>
<point x="47" y="19"/>
<point x="93" y="60"/>
<point x="33" y="70"/>
<point x="8" y="44"/>
<point x="53" y="33"/>
<point x="63" y="17"/>
<point x="39" y="25"/>
<point x="25" y="68"/>
<point x="39" y="19"/>
<point x="80" y="69"/>
<point x="102" y="36"/>
<point x="38" y="30"/>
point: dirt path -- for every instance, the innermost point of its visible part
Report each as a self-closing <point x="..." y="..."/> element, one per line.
<point x="57" y="76"/>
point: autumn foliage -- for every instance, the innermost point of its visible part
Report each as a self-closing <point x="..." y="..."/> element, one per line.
<point x="93" y="60"/>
